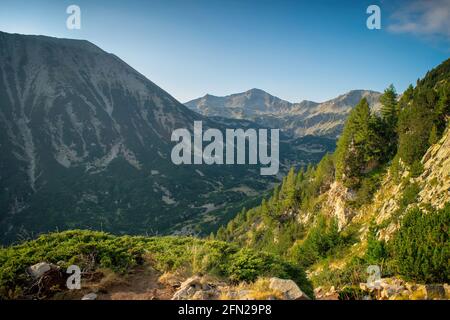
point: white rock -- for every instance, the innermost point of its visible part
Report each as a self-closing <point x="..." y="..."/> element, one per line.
<point x="89" y="296"/>
<point x="39" y="269"/>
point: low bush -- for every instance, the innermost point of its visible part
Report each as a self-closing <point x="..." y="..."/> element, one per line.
<point x="410" y="195"/>
<point x="421" y="247"/>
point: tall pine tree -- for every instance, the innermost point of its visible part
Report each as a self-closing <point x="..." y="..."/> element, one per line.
<point x="351" y="152"/>
<point x="389" y="109"/>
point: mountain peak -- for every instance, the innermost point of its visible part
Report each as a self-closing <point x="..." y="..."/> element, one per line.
<point x="76" y="44"/>
<point x="256" y="91"/>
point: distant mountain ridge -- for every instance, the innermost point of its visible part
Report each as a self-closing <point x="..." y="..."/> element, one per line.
<point x="297" y="119"/>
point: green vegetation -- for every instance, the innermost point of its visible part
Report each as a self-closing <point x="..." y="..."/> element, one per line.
<point x="416" y="169"/>
<point x="354" y="272"/>
<point x="409" y="195"/>
<point x="289" y="230"/>
<point x="352" y="148"/>
<point x="421" y="248"/>
<point x="420" y="251"/>
<point x="279" y="229"/>
<point x="376" y="251"/>
<point x="367" y="143"/>
<point x="90" y="249"/>
<point x="322" y="238"/>
<point x="292" y="223"/>
<point x="389" y="109"/>
<point x="424" y="113"/>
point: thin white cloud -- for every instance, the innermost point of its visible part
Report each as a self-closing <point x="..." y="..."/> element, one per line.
<point x="428" y="18"/>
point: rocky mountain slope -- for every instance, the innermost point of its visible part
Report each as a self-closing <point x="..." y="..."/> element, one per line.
<point x="296" y="119"/>
<point x="381" y="201"/>
<point x="85" y="142"/>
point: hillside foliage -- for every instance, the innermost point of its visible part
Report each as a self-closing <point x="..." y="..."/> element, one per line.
<point x="92" y="250"/>
<point x="291" y="223"/>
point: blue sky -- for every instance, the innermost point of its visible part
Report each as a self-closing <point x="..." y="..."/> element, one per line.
<point x="293" y="49"/>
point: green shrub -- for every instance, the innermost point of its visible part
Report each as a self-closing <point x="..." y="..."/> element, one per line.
<point x="421" y="247"/>
<point x="376" y="250"/>
<point x="416" y="169"/>
<point x="369" y="186"/>
<point x="410" y="195"/>
<point x="322" y="238"/>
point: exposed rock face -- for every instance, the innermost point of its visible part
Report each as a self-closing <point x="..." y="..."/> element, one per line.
<point x="322" y="294"/>
<point x="436" y="175"/>
<point x="434" y="186"/>
<point x="297" y="119"/>
<point x="76" y="122"/>
<point x="336" y="204"/>
<point x="241" y="105"/>
<point x="288" y="288"/>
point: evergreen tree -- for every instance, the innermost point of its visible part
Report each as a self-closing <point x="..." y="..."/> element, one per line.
<point x="414" y="127"/>
<point x="351" y="155"/>
<point x="389" y="106"/>
<point x="406" y="98"/>
<point x="289" y="189"/>
<point x="381" y="143"/>
<point x="300" y="178"/>
<point x="443" y="108"/>
<point x="324" y="174"/>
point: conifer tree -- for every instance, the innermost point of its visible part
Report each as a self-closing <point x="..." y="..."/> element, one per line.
<point x="351" y="152"/>
<point x="389" y="106"/>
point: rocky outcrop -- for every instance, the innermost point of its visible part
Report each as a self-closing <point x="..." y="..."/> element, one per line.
<point x="196" y="288"/>
<point x="434" y="186"/>
<point x="336" y="204"/>
<point x="201" y="288"/>
<point x="322" y="294"/>
<point x="288" y="289"/>
<point x="386" y="289"/>
<point x="436" y="174"/>
<point x="90" y="296"/>
<point x="397" y="289"/>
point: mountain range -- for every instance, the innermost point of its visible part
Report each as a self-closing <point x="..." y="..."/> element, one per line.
<point x="295" y="119"/>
